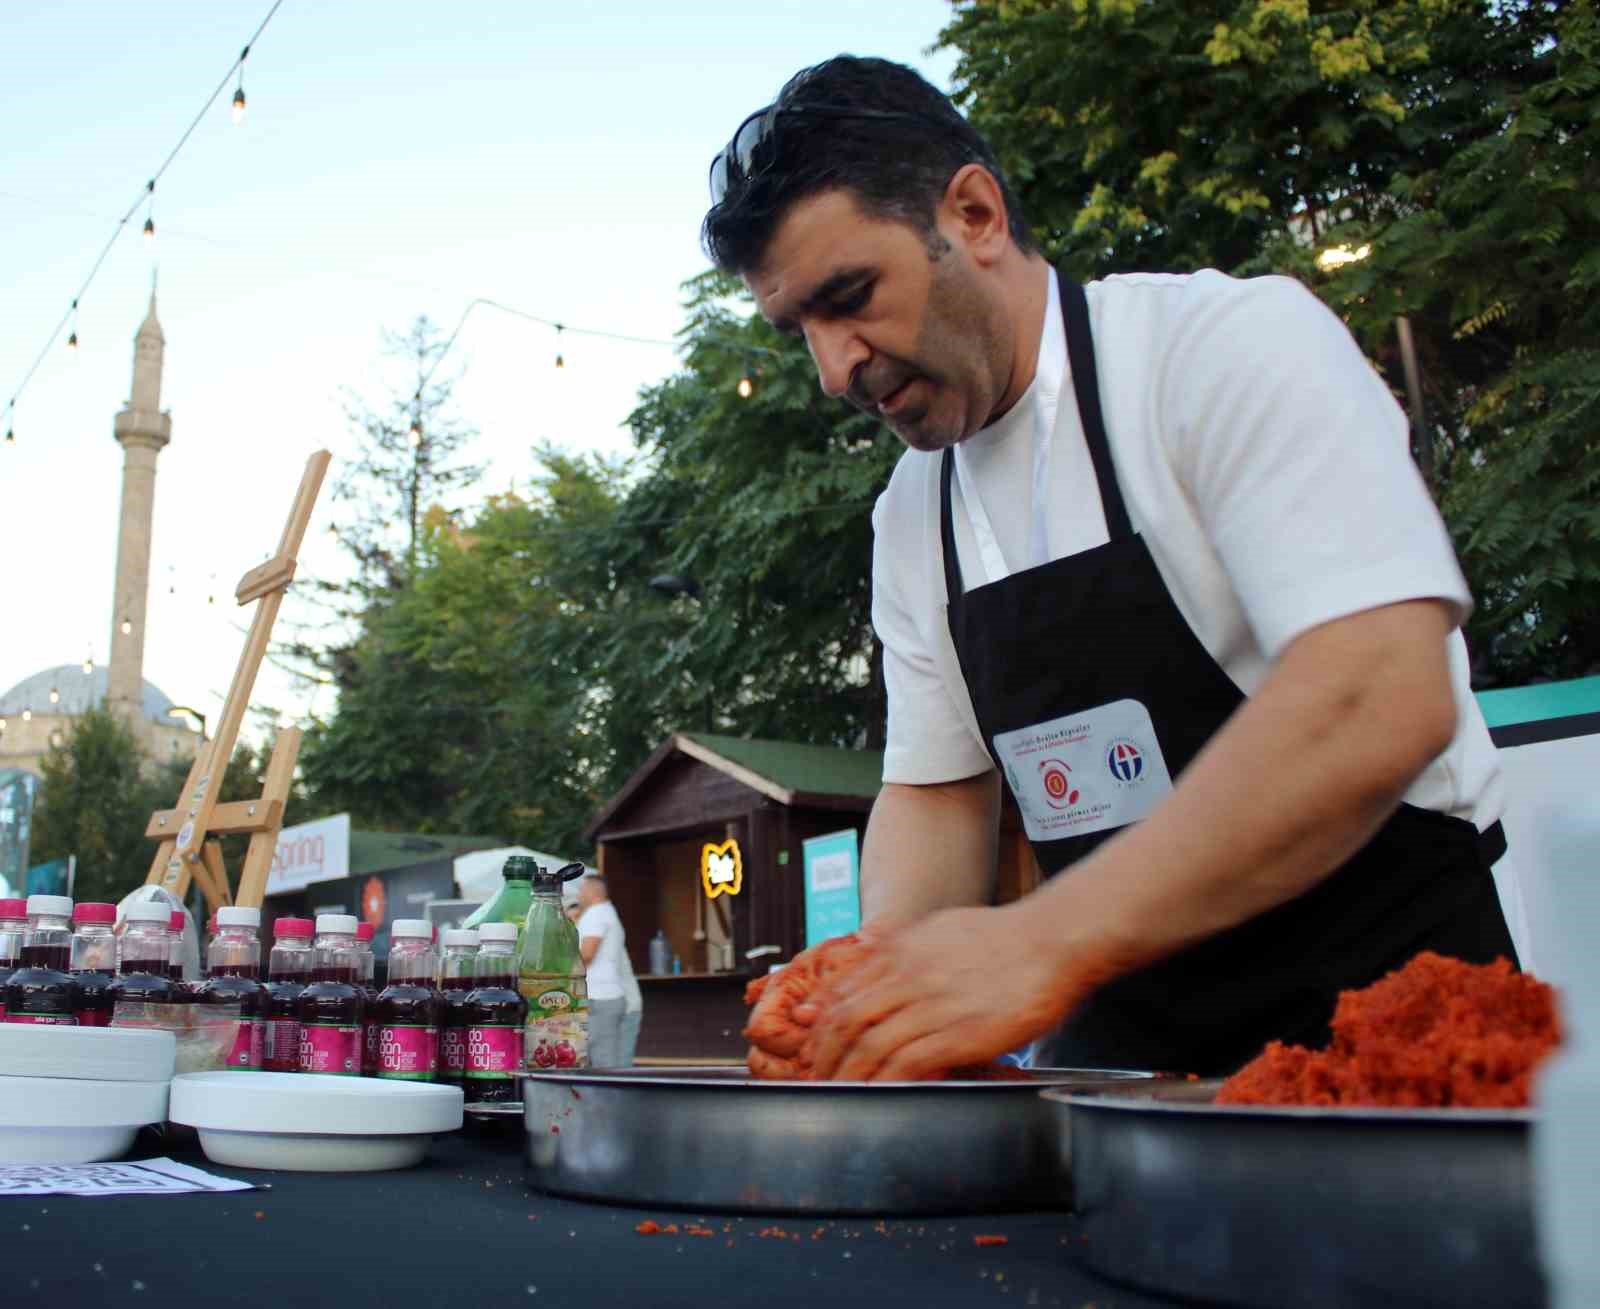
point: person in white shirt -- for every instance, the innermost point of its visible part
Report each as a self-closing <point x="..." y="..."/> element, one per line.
<point x="1158" y="561"/>
<point x="601" y="941"/>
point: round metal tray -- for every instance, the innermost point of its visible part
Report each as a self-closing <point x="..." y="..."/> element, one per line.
<point x="1317" y="1208"/>
<point x="718" y="1139"/>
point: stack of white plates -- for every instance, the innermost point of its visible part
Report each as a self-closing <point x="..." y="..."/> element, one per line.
<point x="310" y="1122"/>
<point x="78" y="1095"/>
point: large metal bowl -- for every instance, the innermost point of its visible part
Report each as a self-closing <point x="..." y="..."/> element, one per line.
<point x="716" y="1139"/>
<point x="1319" y="1208"/>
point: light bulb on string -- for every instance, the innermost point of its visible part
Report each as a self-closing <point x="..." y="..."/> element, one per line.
<point x="238" y="93"/>
<point x="560" y="362"/>
<point x="745" y="387"/>
<point x="72" y="336"/>
<point x="150" y="212"/>
<point x="55" y="696"/>
<point x="149" y="231"/>
<point x="88" y="665"/>
<point x="27" y="715"/>
<point x="127" y="626"/>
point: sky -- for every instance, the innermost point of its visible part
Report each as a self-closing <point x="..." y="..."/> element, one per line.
<point x="396" y="158"/>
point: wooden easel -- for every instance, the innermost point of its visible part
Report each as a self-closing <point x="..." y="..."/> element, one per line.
<point x="187" y="850"/>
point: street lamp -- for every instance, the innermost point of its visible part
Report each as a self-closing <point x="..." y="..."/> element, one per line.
<point x="677" y="584"/>
<point x="183" y="711"/>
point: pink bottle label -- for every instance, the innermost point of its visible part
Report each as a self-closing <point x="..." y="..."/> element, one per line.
<point x="406" y="1053"/>
<point x="247" y="1045"/>
<point x="94" y="1018"/>
<point x="280" y="1048"/>
<point x="452" y="1053"/>
<point x="330" y="1049"/>
<point x="494" y="1052"/>
<point x="51" y="1020"/>
<point x="369" y="1055"/>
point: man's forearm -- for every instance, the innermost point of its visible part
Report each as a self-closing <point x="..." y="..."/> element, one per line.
<point x="930" y="847"/>
<point x="1333" y="754"/>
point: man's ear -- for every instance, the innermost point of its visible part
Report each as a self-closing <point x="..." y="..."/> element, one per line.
<point x="973" y="213"/>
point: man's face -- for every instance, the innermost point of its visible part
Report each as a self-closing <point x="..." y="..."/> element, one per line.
<point x="902" y="333"/>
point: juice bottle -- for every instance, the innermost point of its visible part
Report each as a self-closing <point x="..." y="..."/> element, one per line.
<point x="288" y="974"/>
<point x="550" y="978"/>
<point x="495" y="1015"/>
<point x="366" y="970"/>
<point x="41" y="990"/>
<point x="93" y="961"/>
<point x="143" y="956"/>
<point x="175" y="925"/>
<point x="407" y="1012"/>
<point x="457" y="976"/>
<point x="331" y="1009"/>
<point x="510" y="903"/>
<point x="232" y="961"/>
<point x="13" y="930"/>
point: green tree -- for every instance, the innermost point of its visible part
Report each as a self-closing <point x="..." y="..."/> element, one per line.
<point x="95" y="802"/>
<point x="1448" y="142"/>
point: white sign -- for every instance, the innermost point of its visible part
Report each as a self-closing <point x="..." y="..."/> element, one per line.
<point x="151" y="1177"/>
<point x="310" y="852"/>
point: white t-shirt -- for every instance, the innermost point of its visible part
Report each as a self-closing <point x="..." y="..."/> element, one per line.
<point x="605" y="975"/>
<point x="1266" y="466"/>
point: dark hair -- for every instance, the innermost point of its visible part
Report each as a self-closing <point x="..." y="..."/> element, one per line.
<point x="896" y="168"/>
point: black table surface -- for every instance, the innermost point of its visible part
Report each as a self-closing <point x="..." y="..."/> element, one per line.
<point x="465" y="1227"/>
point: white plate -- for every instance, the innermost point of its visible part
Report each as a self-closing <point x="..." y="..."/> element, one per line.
<point x="313" y="1122"/>
<point x="102" y="1054"/>
<point x="74" y="1120"/>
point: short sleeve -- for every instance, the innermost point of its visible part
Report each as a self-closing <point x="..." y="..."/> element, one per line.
<point x="927" y="739"/>
<point x="1297" y="459"/>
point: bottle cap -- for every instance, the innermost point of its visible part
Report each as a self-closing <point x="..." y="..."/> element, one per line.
<point x="550" y="880"/>
<point x="293" y="927"/>
<point x="149" y="911"/>
<point x="238" y="916"/>
<point x="364" y="931"/>
<point x="90" y="912"/>
<point x="497" y="932"/>
<point x="419" y="928"/>
<point x="521" y="868"/>
<point x="57" y="906"/>
<point x="13" y="908"/>
<point x="459" y="936"/>
<point x="345" y="924"/>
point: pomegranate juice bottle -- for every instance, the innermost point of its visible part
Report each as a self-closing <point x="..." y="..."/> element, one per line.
<point x="495" y="1014"/>
<point x="93" y="961"/>
<point x="366" y="970"/>
<point x="331" y="1009"/>
<point x="175" y="926"/>
<point x="143" y="958"/>
<point x="406" y="1014"/>
<point x="457" y="976"/>
<point x="41" y="990"/>
<point x="13" y="931"/>
<point x="233" y="960"/>
<point x="288" y="974"/>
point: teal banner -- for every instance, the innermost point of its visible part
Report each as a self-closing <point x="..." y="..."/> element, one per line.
<point x="17" y="790"/>
<point x="53" y="878"/>
<point x="833" y="897"/>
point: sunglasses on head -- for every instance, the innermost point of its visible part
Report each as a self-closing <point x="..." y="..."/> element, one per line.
<point x="734" y="164"/>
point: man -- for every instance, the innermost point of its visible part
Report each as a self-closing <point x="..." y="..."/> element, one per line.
<point x="601" y="941"/>
<point x="1158" y="556"/>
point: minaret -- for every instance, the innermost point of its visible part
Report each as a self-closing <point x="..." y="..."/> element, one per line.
<point x="142" y="430"/>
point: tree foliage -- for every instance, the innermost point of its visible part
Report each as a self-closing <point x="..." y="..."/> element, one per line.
<point x="1452" y="141"/>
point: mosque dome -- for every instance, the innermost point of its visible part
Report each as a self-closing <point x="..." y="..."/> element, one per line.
<point x="79" y="691"/>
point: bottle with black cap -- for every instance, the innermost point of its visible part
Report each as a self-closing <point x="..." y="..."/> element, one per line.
<point x="550" y="976"/>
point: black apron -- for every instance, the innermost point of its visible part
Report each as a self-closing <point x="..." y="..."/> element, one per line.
<point x="1422" y="882"/>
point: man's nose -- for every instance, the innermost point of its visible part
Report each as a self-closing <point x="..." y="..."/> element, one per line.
<point x="837" y="352"/>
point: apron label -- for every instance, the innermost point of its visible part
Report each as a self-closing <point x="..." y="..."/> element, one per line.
<point x="1086" y="772"/>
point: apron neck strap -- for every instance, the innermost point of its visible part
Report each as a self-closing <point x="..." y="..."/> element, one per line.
<point x="1086" y="386"/>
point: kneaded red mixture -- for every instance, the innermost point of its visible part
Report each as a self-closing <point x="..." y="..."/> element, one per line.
<point x="1438" y="1033"/>
<point x="781" y="1047"/>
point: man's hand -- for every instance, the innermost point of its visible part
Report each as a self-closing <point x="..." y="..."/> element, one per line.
<point x="958" y="987"/>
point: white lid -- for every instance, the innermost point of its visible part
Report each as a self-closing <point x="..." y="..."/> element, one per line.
<point x="61" y="1102"/>
<point x="111" y="1054"/>
<point x="497" y="932"/>
<point x="240" y="1100"/>
<point x="237" y="916"/>
<point x="149" y="911"/>
<point x="58" y="906"/>
<point x="345" y="923"/>
<point x="461" y="936"/>
<point x="411" y="927"/>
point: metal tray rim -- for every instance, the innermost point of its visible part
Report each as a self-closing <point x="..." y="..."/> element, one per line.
<point x="735" y="1077"/>
<point x="1157" y="1099"/>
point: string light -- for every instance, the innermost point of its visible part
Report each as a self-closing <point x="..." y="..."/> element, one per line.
<point x="88" y="665"/>
<point x="55" y="696"/>
<point x="27" y="715"/>
<point x="560" y="362"/>
<point x="143" y="198"/>
<point x="72" y="339"/>
<point x="150" y="213"/>
<point x="127" y="626"/>
<point x="746" y="386"/>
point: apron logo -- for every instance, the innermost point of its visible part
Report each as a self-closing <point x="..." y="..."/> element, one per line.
<point x="1058" y="788"/>
<point x="1125" y="760"/>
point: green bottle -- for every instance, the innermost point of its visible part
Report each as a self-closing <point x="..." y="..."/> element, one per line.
<point x="551" y="978"/>
<point x="510" y="903"/>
